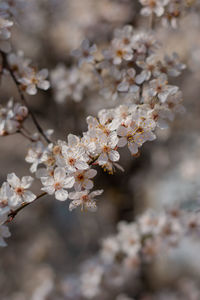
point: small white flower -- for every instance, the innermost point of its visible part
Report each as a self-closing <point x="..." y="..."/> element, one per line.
<point x="19" y="192"/>
<point x="34" y="155"/>
<point x="159" y="87"/>
<point x="74" y="159"/>
<point x="5" y="34"/>
<point x="107" y="145"/>
<point x="130" y="82"/>
<point x="83" y="179"/>
<point x="32" y="80"/>
<point x="5" y="194"/>
<point x="149" y="68"/>
<point x="85" y="52"/>
<point x="58" y="183"/>
<point x="153" y="6"/>
<point x="84" y="199"/>
<point x="138" y="132"/>
<point x="118" y="52"/>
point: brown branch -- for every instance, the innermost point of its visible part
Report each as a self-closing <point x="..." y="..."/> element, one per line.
<point x="13" y="213"/>
<point x="23" y="99"/>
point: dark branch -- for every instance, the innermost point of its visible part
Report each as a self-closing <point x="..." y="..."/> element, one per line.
<point x="13" y="213"/>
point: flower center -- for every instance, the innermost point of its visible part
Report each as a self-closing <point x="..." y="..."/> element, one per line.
<point x="71" y="161"/>
<point x="80" y="177"/>
<point x="19" y="191"/>
<point x="57" y="186"/>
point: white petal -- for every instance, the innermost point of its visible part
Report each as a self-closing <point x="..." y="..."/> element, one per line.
<point x="74" y="195"/>
<point x="134" y="88"/>
<point x="73" y="140"/>
<point x="85" y="44"/>
<point x="61" y="195"/>
<point x="47" y="180"/>
<point x="42" y="74"/>
<point x="103" y="158"/>
<point x="91" y="173"/>
<point x="133" y="148"/>
<point x="28" y="196"/>
<point x="26" y="181"/>
<point x="114" y="155"/>
<point x="31" y="89"/>
<point x="74" y="204"/>
<point x="122" y="142"/>
<point x="48" y="189"/>
<point x="13" y="180"/>
<point x="123" y="86"/>
<point x="44" y="85"/>
<point x="88" y="184"/>
<point x="59" y="174"/>
<point x="81" y="165"/>
<point x="69" y="182"/>
<point x="122" y="131"/>
<point x="96" y="193"/>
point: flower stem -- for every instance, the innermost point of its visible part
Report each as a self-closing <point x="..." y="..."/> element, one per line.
<point x="13" y="213"/>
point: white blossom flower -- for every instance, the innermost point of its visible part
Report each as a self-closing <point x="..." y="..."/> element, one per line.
<point x="12" y="117"/>
<point x="85" y="52"/>
<point x="107" y="145"/>
<point x="138" y="132"/>
<point x="110" y="248"/>
<point x="32" y="80"/>
<point x="129" y="238"/>
<point x="153" y="6"/>
<point x="58" y="183"/>
<point x="69" y="83"/>
<point x="34" y="155"/>
<point x="160" y="88"/>
<point x="172" y="14"/>
<point x="144" y="44"/>
<point x="74" y="159"/>
<point x="130" y="82"/>
<point x="172" y="65"/>
<point x="118" y="52"/>
<point x="5" y="34"/>
<point x="91" y="279"/>
<point x="83" y="179"/>
<point x="124" y="35"/>
<point x="19" y="192"/>
<point x="5" y="194"/>
<point x="85" y="199"/>
<point x="149" y="68"/>
<point x="18" y="63"/>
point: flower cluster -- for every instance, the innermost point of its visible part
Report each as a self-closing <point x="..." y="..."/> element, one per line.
<point x="136" y="245"/>
<point x="70" y="164"/>
<point x="130" y="70"/>
<point x="12" y="117"/>
<point x="28" y="77"/>
<point x="13" y="193"/>
<point x="5" y="24"/>
<point x="69" y="83"/>
<point x="169" y="11"/>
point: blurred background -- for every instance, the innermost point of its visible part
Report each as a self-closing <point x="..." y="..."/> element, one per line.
<point x="48" y="242"/>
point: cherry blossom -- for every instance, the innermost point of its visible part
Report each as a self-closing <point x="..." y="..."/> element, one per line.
<point x="85" y="199"/>
<point x="19" y="192"/>
<point x="58" y="183"/>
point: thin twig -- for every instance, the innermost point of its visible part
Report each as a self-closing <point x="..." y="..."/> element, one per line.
<point x="13" y="213"/>
<point x="23" y="99"/>
<point x="151" y="21"/>
<point x="26" y="136"/>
